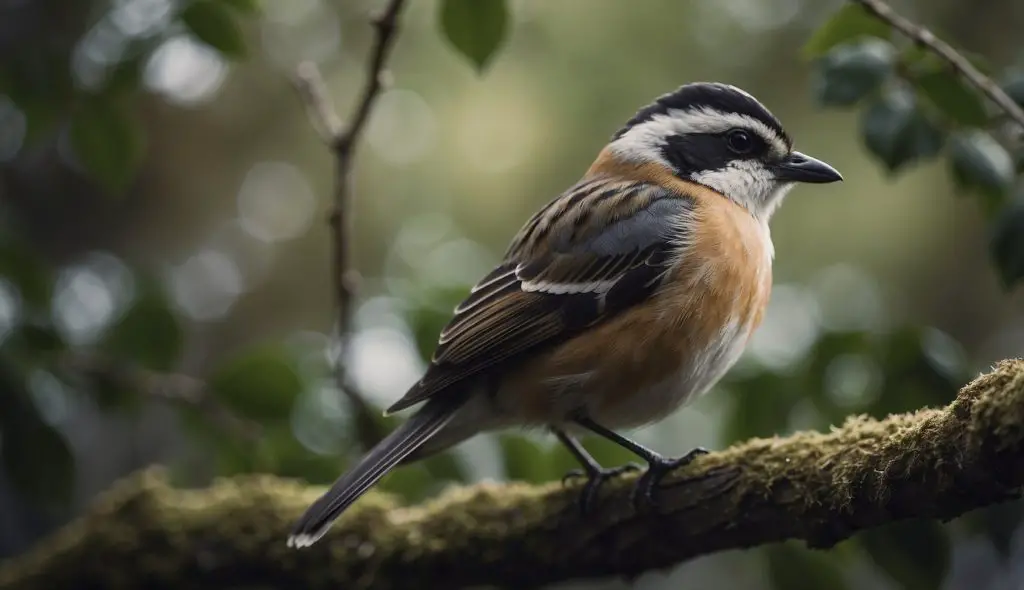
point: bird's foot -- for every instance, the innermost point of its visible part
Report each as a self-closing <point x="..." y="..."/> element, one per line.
<point x="595" y="478"/>
<point x="643" y="493"/>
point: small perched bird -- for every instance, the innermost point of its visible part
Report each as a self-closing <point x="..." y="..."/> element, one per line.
<point x="627" y="296"/>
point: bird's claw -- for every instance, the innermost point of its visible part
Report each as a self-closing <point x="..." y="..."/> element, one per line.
<point x="643" y="492"/>
<point x="595" y="478"/>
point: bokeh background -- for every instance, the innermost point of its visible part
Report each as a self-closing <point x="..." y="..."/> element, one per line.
<point x="203" y="250"/>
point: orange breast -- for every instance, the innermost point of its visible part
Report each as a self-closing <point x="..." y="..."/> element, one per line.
<point x="646" y="362"/>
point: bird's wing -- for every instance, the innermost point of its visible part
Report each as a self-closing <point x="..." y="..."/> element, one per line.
<point x="569" y="269"/>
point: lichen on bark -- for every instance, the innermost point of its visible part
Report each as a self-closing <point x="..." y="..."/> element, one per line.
<point x="818" y="487"/>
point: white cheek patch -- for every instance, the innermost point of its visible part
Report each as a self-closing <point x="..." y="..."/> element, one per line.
<point x="747" y="182"/>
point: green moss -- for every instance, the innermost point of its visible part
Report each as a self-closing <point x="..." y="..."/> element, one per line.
<point x="819" y="487"/>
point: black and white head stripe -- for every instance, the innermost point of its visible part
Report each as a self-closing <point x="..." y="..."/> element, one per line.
<point x="700" y="108"/>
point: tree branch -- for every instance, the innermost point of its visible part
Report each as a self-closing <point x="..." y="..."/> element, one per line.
<point x="172" y="388"/>
<point x="343" y="140"/>
<point x="955" y="59"/>
<point x="821" y="488"/>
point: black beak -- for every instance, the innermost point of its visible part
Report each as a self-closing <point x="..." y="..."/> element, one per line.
<point x="799" y="167"/>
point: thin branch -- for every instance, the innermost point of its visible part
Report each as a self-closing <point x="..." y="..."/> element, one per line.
<point x="343" y="139"/>
<point x="386" y="26"/>
<point x="313" y="91"/>
<point x="961" y="64"/>
<point x="172" y="388"/>
<point x="817" y="487"/>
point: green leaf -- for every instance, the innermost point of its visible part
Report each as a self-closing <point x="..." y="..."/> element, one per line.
<point x="849" y="23"/>
<point x="916" y="554"/>
<point x="149" y="333"/>
<point x="213" y="23"/>
<point x="791" y="567"/>
<point x="897" y="133"/>
<point x="978" y="161"/>
<point x="524" y="459"/>
<point x="883" y="124"/>
<point x="1006" y="243"/>
<point x="476" y="28"/>
<point x="108" y="141"/>
<point x="954" y="97"/>
<point x="261" y="383"/>
<point x="850" y="72"/>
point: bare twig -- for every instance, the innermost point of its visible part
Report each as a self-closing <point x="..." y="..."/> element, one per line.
<point x="343" y="138"/>
<point x="926" y="38"/>
<point x="173" y="388"/>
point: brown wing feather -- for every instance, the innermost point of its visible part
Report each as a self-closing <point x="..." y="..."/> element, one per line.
<point x="543" y="297"/>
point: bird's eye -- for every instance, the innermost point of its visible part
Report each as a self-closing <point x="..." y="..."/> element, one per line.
<point x="740" y="141"/>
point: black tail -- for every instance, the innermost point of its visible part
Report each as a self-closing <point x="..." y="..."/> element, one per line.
<point x="370" y="469"/>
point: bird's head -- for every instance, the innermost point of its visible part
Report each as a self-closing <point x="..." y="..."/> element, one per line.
<point x="721" y="137"/>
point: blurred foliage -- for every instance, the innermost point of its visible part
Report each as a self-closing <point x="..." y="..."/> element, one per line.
<point x="913" y="109"/>
<point x="916" y="108"/>
<point x="103" y="129"/>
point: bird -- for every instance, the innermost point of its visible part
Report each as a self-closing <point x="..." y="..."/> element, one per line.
<point x="622" y="299"/>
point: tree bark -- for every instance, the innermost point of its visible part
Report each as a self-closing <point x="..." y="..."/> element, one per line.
<point x="821" y="488"/>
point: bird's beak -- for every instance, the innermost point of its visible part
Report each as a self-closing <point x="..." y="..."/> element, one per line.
<point x="797" y="167"/>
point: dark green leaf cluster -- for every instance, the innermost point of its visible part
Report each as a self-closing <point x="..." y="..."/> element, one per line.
<point x="915" y="107"/>
<point x="95" y="113"/>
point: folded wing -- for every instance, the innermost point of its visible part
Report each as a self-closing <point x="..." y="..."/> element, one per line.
<point x="581" y="272"/>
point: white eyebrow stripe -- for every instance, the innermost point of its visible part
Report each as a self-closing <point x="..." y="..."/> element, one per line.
<point x="647" y="136"/>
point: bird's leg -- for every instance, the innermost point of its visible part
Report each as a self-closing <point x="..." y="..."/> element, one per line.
<point x="657" y="465"/>
<point x="591" y="469"/>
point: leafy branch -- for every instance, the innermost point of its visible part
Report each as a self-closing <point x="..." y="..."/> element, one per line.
<point x="343" y="140"/>
<point x="821" y="488"/>
<point x="925" y="100"/>
<point x="926" y="38"/>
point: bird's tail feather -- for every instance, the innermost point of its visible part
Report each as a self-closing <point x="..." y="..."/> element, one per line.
<point x="370" y="469"/>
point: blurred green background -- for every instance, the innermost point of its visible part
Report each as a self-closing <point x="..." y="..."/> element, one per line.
<point x="163" y="200"/>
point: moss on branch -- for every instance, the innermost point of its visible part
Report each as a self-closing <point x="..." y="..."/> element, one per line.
<point x="820" y="488"/>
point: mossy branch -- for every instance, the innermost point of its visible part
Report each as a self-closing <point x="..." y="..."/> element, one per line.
<point x="821" y="488"/>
